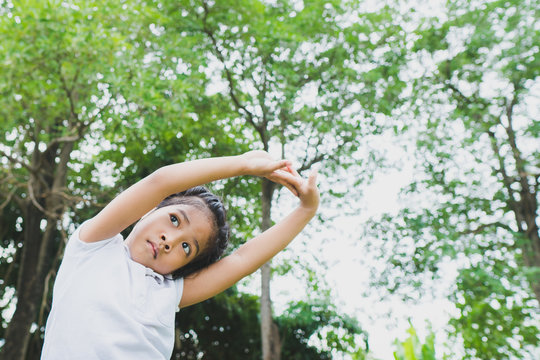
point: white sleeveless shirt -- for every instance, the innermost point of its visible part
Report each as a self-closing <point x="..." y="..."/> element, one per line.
<point x="106" y="306"/>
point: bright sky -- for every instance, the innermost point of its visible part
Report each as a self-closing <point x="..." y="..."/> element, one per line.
<point x="349" y="264"/>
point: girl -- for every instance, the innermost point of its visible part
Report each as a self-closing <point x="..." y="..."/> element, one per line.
<point x="116" y="299"/>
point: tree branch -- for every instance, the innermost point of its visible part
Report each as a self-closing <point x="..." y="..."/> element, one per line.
<point x="520" y="167"/>
<point x="480" y="228"/>
<point x="62" y="139"/>
<point x="232" y="90"/>
<point x="14" y="160"/>
<point x="262" y="98"/>
<point x="69" y="90"/>
<point x="306" y="164"/>
<point x="37" y="204"/>
<point x="452" y="87"/>
<point x="68" y="197"/>
<point x="8" y="198"/>
<point x="51" y="275"/>
<point x="507" y="180"/>
<point x="10" y="268"/>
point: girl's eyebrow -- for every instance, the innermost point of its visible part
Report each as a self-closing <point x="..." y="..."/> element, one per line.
<point x="184" y="215"/>
<point x="196" y="245"/>
<point x="186" y="218"/>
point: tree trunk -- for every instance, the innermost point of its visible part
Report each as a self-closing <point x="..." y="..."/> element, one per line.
<point x="42" y="203"/>
<point x="271" y="346"/>
<point x="535" y="262"/>
<point x="525" y="205"/>
<point x="526" y="217"/>
<point x="28" y="286"/>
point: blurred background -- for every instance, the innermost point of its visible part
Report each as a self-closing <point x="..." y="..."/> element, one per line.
<point x="423" y="117"/>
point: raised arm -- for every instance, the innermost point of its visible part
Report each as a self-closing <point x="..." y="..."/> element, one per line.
<point x="130" y="205"/>
<point x="254" y="253"/>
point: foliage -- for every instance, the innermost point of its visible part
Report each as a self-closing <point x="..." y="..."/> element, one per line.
<point x="78" y="81"/>
<point x="491" y="313"/>
<point x="225" y="326"/>
<point x="302" y="79"/>
<point x="59" y="63"/>
<point x="412" y="349"/>
<point x="228" y="325"/>
<point x="474" y="202"/>
<point x="315" y="330"/>
<point x="299" y="77"/>
<point x="113" y="90"/>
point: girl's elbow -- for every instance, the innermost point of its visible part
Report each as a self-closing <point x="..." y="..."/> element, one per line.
<point x="158" y="181"/>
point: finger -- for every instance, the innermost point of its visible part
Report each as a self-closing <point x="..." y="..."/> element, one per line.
<point x="280" y="164"/>
<point x="293" y="171"/>
<point x="285" y="179"/>
<point x="291" y="188"/>
<point x="284" y="183"/>
<point x="312" y="179"/>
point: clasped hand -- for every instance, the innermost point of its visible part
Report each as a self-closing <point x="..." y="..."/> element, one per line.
<point x="260" y="163"/>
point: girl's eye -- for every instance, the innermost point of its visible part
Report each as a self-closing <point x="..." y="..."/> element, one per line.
<point x="186" y="247"/>
<point x="174" y="220"/>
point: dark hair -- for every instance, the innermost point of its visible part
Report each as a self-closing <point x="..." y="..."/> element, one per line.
<point x="201" y="198"/>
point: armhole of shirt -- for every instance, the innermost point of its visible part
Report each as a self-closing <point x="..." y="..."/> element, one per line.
<point x="180" y="291"/>
<point x="76" y="246"/>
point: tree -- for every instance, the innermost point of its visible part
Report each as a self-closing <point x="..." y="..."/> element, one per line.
<point x="226" y="327"/>
<point x="43" y="117"/>
<point x="317" y="320"/>
<point x="303" y="81"/>
<point x="221" y="327"/>
<point x="413" y="349"/>
<point x="66" y="70"/>
<point x="95" y="77"/>
<point x="474" y="80"/>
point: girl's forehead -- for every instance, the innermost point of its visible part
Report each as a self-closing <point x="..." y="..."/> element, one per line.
<point x="200" y="218"/>
<point x="197" y="226"/>
<point x="193" y="209"/>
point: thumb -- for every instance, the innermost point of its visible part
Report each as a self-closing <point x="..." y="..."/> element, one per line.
<point x="312" y="179"/>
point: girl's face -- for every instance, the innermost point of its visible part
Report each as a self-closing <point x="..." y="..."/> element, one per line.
<point x="169" y="238"/>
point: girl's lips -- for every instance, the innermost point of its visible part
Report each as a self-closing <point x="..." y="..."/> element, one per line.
<point x="154" y="249"/>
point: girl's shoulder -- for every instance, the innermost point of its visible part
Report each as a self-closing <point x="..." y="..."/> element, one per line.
<point x="75" y="246"/>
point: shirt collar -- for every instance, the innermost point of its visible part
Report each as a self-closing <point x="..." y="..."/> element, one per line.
<point x="158" y="277"/>
<point x="148" y="272"/>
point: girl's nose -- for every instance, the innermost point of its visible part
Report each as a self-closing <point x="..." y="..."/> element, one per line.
<point x="166" y="246"/>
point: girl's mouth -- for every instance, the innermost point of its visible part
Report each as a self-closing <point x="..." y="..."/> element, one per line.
<point x="153" y="247"/>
